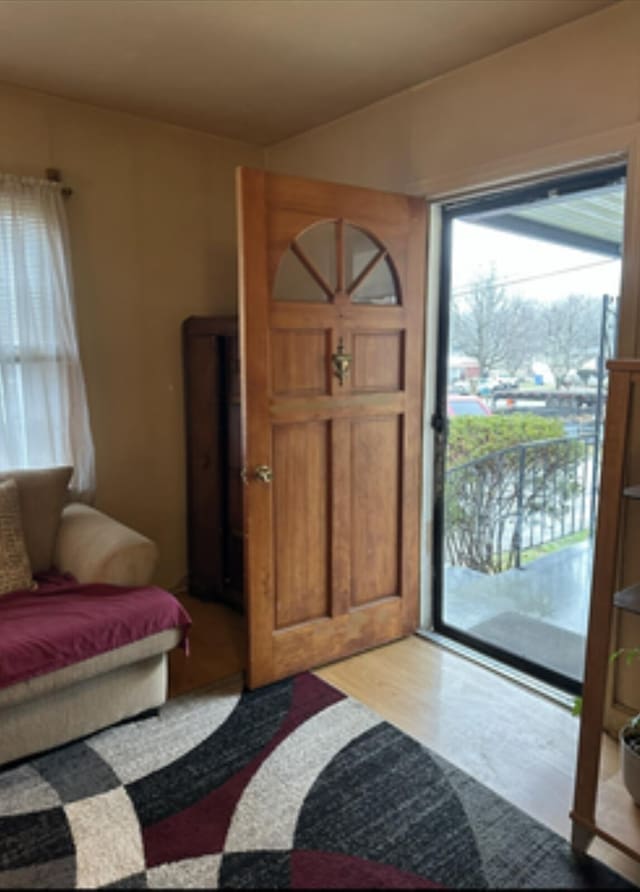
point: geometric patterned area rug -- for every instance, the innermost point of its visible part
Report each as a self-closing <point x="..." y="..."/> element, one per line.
<point x="290" y="786"/>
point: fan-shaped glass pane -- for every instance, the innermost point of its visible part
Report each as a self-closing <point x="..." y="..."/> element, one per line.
<point x="307" y="271"/>
<point x="378" y="285"/>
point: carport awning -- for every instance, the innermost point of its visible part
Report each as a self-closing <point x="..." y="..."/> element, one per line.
<point x="591" y="220"/>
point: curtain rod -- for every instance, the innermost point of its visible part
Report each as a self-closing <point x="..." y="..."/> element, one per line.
<point x="54" y="175"/>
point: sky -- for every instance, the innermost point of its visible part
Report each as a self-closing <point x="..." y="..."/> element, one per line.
<point x="529" y="261"/>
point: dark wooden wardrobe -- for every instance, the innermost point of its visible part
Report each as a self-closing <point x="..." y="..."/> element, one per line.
<point x="214" y="484"/>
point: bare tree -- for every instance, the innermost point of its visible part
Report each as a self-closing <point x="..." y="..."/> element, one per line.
<point x="491" y="326"/>
<point x="571" y="332"/>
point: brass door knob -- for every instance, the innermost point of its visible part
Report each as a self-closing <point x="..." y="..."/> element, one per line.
<point x="263" y="473"/>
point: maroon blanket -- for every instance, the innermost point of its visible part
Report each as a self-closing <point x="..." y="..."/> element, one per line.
<point x="64" y="621"/>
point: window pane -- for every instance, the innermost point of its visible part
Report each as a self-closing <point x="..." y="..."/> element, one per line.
<point x="294" y="281"/>
<point x="530" y="328"/>
<point x="43" y="413"/>
<point x="378" y="285"/>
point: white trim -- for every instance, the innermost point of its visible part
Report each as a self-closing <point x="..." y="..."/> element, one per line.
<point x="630" y="286"/>
<point x="431" y="318"/>
<point x="584" y="153"/>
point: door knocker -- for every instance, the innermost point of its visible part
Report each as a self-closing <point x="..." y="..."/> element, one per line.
<point x="341" y="362"/>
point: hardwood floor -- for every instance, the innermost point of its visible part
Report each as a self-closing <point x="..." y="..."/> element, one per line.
<point x="518" y="743"/>
<point x="217" y="647"/>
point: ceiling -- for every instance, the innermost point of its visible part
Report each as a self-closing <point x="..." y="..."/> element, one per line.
<point x="256" y="70"/>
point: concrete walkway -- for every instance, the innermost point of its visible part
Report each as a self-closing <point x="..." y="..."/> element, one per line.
<point x="553" y="592"/>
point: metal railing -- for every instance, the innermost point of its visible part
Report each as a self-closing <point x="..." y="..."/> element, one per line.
<point x="519" y="498"/>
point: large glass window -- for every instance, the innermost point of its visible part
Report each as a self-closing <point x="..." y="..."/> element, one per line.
<point x="43" y="411"/>
<point x="529" y="317"/>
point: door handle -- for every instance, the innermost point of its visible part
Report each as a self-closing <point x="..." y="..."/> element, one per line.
<point x="263" y="473"/>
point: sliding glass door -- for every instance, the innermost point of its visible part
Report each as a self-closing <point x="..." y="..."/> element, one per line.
<point x="530" y="280"/>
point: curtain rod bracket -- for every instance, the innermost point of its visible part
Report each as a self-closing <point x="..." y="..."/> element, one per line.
<point x="54" y="175"/>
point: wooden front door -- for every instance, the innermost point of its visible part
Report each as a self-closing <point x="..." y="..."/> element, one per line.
<point x="332" y="332"/>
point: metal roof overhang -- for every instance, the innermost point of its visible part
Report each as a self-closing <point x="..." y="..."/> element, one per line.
<point x="590" y="220"/>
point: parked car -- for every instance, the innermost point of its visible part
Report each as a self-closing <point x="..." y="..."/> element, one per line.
<point x="466" y="405"/>
<point x="487" y="386"/>
<point x="460" y="386"/>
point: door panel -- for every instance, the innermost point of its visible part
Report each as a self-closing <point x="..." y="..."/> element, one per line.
<point x="339" y="637"/>
<point x="375" y="486"/>
<point x="341" y="563"/>
<point x="299" y="362"/>
<point x="332" y="402"/>
<point x="377" y="361"/>
<point x="301" y="535"/>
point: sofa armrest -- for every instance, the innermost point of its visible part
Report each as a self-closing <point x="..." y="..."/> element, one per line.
<point x="96" y="548"/>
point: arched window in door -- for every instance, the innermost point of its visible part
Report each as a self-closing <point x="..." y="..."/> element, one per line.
<point x="332" y="258"/>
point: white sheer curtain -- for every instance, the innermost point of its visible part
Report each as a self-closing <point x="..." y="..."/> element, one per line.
<point x="44" y="419"/>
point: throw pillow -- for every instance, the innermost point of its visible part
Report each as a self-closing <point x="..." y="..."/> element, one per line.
<point x="43" y="494"/>
<point x="15" y="571"/>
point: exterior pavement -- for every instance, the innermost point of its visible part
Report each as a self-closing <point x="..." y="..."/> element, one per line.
<point x="555" y="590"/>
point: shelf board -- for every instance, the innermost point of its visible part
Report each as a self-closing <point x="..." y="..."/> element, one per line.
<point x="632" y="492"/>
<point x="618" y="817"/>
<point x="628" y="598"/>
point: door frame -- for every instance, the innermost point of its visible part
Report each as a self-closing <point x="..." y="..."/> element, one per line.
<point x="435" y="422"/>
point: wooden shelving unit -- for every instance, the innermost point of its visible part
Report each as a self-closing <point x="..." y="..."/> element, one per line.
<point x="596" y="811"/>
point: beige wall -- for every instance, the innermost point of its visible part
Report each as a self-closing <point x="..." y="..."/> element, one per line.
<point x="573" y="82"/>
<point x="153" y="229"/>
<point x="565" y="98"/>
<point x="153" y="238"/>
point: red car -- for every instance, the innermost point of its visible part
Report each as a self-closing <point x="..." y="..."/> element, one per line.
<point x="466" y="405"/>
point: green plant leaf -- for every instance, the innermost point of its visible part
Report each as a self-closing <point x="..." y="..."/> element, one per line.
<point x="486" y="464"/>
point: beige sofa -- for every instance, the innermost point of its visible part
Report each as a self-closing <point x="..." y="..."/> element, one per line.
<point x="53" y="709"/>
